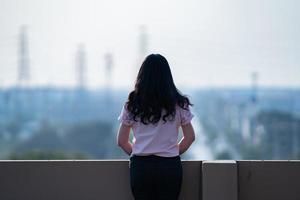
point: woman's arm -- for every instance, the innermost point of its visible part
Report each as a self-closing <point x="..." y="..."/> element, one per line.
<point x="123" y="138"/>
<point x="188" y="138"/>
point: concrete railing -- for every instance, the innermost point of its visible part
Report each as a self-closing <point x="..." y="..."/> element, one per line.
<point x="109" y="180"/>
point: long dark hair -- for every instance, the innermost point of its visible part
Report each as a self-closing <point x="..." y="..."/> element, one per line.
<point x="154" y="91"/>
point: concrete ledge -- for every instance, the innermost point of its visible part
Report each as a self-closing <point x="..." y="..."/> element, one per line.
<point x="191" y="183"/>
<point x="78" y="180"/>
<point x="109" y="180"/>
<point x="276" y="180"/>
<point x="219" y="180"/>
<point x="64" y="180"/>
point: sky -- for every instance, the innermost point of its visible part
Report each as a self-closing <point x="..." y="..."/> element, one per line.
<point x="212" y="43"/>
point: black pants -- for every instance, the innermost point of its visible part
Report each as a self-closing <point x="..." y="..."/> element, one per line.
<point x="154" y="177"/>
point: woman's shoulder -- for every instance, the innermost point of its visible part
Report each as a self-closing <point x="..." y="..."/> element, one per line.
<point x="125" y="116"/>
<point x="184" y="113"/>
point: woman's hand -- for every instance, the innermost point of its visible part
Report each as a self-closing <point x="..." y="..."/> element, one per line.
<point x="123" y="138"/>
<point x="188" y="137"/>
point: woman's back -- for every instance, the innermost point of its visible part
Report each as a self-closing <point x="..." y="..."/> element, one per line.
<point x="158" y="139"/>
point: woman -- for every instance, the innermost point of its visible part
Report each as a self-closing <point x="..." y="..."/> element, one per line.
<point x="155" y="110"/>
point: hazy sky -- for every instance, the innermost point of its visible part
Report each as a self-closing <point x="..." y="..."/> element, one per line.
<point x="207" y="43"/>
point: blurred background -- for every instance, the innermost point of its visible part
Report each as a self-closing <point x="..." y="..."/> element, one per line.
<point x="66" y="68"/>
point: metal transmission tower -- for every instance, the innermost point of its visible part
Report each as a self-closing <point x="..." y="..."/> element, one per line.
<point x="142" y="46"/>
<point x="108" y="59"/>
<point x="253" y="109"/>
<point x="108" y="100"/>
<point x="23" y="58"/>
<point x="143" y="41"/>
<point x="79" y="100"/>
<point x="254" y="77"/>
<point x="80" y="62"/>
